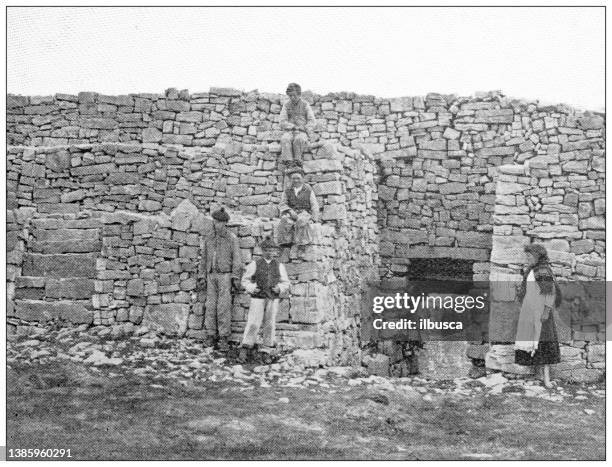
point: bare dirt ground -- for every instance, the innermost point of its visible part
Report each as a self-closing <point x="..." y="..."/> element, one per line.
<point x="176" y="400"/>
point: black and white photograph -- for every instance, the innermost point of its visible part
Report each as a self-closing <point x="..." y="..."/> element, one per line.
<point x="304" y="232"/>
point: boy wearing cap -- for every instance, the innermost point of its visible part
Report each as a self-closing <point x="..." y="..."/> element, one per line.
<point x="297" y="119"/>
<point x="219" y="270"/>
<point x="264" y="279"/>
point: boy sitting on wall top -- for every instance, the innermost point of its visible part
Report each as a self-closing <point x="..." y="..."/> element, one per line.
<point x="265" y="279"/>
<point x="297" y="120"/>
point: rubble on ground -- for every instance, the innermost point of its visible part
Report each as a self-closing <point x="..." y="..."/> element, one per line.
<point x="141" y="352"/>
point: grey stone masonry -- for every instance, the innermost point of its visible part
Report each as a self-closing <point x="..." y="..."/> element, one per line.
<point x="107" y="197"/>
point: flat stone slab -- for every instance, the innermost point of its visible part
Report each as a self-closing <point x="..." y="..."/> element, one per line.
<point x="58" y="265"/>
<point x="169" y="318"/>
<point x="43" y="311"/>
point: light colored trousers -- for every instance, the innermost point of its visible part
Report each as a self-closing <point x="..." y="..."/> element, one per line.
<point x="298" y="231"/>
<point x="293" y="145"/>
<point x="261" y="311"/>
<point x="218" y="311"/>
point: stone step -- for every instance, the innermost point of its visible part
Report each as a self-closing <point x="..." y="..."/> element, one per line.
<point x="65" y="246"/>
<point x="41" y="311"/>
<point x="59" y="265"/>
<point x="39" y="288"/>
<point x="62" y="234"/>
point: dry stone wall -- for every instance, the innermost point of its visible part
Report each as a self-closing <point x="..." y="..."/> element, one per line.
<point x="94" y="183"/>
<point x="438" y="191"/>
<point x="112" y="234"/>
<point x="566" y="213"/>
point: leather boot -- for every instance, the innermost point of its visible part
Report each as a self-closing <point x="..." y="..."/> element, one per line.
<point x="223" y="344"/>
<point x="266" y="358"/>
<point x="243" y="355"/>
<point x="209" y="341"/>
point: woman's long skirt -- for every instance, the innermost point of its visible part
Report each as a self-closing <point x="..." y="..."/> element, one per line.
<point x="548" y="347"/>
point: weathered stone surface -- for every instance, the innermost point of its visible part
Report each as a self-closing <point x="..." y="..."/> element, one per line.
<point x="451" y="133"/>
<point x="405" y="236"/>
<point x="67" y="234"/>
<point x="29" y="169"/>
<point x="73" y="288"/>
<point x="99" y="123"/>
<point x="93" y="169"/>
<point x="580" y="167"/>
<point x="593" y="122"/>
<point x="509" y="188"/>
<point x="582" y="246"/>
<point x="151" y="135"/>
<point x="170" y="318"/>
<point x="310" y="358"/>
<point x="512" y="169"/>
<point x="225" y="91"/>
<point x="508" y="249"/>
<point x="27" y="281"/>
<point x="182" y="215"/>
<point x="473" y="239"/>
<point x="498" y="151"/>
<point x="334" y="212"/>
<point x="322" y="165"/>
<point x="73" y="196"/>
<point x="593" y="223"/>
<point x="512" y="219"/>
<point x="135" y="287"/>
<point x="59" y="265"/>
<point x="58" y="161"/>
<point x="122" y="178"/>
<point x="41" y="311"/>
<point x="149" y="205"/>
<point x="494" y="116"/>
<point x="449" y="188"/>
<point x="328" y="188"/>
<point x="560" y="231"/>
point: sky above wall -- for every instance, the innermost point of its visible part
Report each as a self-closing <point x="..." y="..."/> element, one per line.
<point x="553" y="54"/>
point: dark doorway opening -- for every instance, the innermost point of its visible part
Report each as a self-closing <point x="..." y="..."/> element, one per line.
<point x="435" y="275"/>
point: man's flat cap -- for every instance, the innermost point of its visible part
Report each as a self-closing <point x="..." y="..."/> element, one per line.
<point x="220" y="215"/>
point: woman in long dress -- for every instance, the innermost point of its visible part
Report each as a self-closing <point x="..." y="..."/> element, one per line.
<point x="536" y="337"/>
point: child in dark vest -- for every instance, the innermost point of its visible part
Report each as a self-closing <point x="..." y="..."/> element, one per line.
<point x="298" y="208"/>
<point x="264" y="279"/>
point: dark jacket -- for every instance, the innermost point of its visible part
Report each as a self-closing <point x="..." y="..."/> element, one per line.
<point x="220" y="253"/>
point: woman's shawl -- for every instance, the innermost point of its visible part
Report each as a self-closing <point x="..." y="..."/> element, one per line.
<point x="545" y="278"/>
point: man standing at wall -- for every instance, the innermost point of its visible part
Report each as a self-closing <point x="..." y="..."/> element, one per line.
<point x="297" y="119"/>
<point x="220" y="269"/>
<point x="298" y="208"/>
<point x="265" y="279"/>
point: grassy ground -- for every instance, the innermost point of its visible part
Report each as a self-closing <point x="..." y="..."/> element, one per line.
<point x="107" y="416"/>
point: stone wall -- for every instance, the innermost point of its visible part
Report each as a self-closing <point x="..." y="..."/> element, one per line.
<point x="557" y="199"/>
<point x="415" y="176"/>
<point x="109" y="232"/>
<point x="437" y="193"/>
